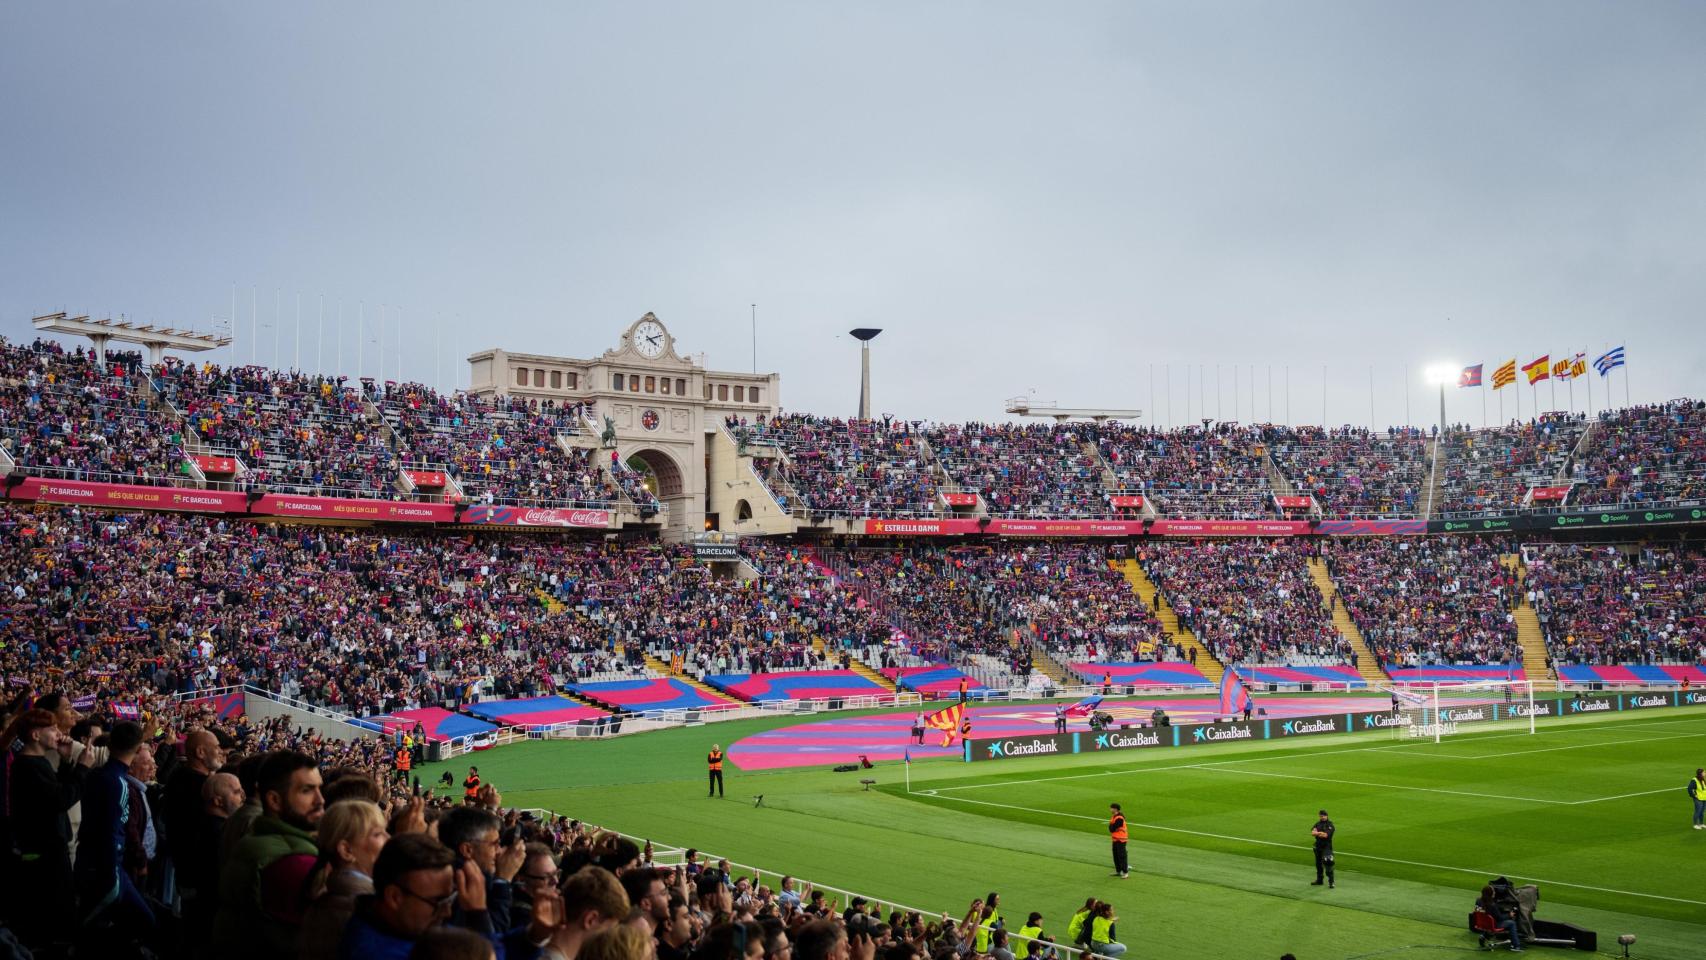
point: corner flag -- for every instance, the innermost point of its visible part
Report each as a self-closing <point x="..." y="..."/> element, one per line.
<point x="1234" y="696"/>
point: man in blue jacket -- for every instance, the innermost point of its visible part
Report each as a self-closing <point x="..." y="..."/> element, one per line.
<point x="113" y="907"/>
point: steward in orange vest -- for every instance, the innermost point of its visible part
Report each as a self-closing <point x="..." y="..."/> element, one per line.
<point x="1117" y="833"/>
<point x="714" y="763"/>
<point x="471" y="786"/>
<point x="405" y="763"/>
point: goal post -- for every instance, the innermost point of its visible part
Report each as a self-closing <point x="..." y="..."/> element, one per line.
<point x="1434" y="710"/>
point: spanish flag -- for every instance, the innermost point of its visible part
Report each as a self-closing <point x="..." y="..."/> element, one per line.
<point x="948" y="721"/>
<point x="1505" y="375"/>
<point x="1539" y="369"/>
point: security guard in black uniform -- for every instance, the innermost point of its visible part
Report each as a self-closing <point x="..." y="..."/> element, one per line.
<point x="1323" y="834"/>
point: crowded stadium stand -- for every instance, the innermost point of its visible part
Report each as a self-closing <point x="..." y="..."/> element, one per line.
<point x="1493" y="469"/>
<point x="1192" y="473"/>
<point x="1643" y="456"/>
<point x="1024" y="470"/>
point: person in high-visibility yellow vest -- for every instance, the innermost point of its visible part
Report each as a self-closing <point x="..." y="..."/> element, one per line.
<point x="714" y="764"/>
<point x="1102" y="932"/>
<point x="987" y="923"/>
<point x="1030" y="932"/>
<point x="1075" y="926"/>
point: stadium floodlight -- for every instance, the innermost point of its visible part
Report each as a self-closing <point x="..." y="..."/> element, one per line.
<point x="1441" y="374"/>
<point x="865" y="335"/>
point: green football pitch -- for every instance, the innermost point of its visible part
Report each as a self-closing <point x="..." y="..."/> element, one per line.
<point x="1592" y="810"/>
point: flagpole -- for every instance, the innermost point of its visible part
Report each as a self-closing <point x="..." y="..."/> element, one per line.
<point x="1483" y="406"/>
<point x="1626" y="402"/>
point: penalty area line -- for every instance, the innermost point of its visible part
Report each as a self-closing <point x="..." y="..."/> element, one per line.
<point x="1354" y="856"/>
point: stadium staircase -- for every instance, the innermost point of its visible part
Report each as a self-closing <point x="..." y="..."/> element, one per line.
<point x="1536" y="658"/>
<point x="552" y="604"/>
<point x="662" y="669"/>
<point x="1368" y="665"/>
<point x="1205" y="661"/>
<point x="1044" y="663"/>
<point x="859" y="667"/>
<point x="1436" y="481"/>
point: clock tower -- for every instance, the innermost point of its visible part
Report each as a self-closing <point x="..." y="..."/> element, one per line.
<point x="663" y="410"/>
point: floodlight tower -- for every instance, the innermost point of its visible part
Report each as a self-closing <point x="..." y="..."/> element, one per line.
<point x="865" y="335"/>
<point x="1442" y="374"/>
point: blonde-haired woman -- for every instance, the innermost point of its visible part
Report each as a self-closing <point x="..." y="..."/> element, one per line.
<point x="352" y="832"/>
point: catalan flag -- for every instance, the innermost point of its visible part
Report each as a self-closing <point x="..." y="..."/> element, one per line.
<point x="1470" y="377"/>
<point x="1608" y="361"/>
<point x="1505" y="375"/>
<point x="1537" y="370"/>
<point x="948" y="721"/>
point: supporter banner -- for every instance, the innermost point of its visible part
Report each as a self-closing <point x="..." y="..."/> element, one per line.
<point x="1230" y="528"/>
<point x="535" y="516"/>
<point x="216" y="466"/>
<point x="287" y="505"/>
<point x="716" y="551"/>
<point x="125" y="495"/>
<point x="1125" y="501"/>
<point x="960" y="499"/>
<point x="1066" y="528"/>
<point x="1539" y="494"/>
<point x="921" y="528"/>
<point x="1371" y="528"/>
<point x="429" y="479"/>
<point x="1290" y="502"/>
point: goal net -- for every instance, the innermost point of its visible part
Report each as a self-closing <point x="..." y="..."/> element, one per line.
<point x="1432" y="711"/>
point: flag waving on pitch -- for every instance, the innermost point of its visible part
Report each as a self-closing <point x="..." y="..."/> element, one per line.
<point x="1234" y="696"/>
<point x="1084" y="707"/>
<point x="948" y="721"/>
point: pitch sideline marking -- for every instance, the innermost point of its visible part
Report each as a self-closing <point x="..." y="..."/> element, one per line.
<point x="1363" y="856"/>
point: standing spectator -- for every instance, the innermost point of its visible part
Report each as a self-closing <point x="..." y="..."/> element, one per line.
<point x="262" y="885"/>
<point x="592" y="901"/>
<point x="114" y="910"/>
<point x="350" y="836"/>
<point x="472" y="833"/>
<point x="415" y="884"/>
<point x="186" y="817"/>
<point x="37" y="801"/>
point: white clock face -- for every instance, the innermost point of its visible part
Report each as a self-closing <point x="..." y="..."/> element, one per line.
<point x="649" y="340"/>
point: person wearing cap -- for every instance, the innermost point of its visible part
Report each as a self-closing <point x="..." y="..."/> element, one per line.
<point x="1323" y="833"/>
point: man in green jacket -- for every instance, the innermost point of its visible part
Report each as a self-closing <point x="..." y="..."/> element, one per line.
<point x="261" y="885"/>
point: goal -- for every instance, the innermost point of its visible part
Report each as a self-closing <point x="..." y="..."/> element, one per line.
<point x="1431" y="711"/>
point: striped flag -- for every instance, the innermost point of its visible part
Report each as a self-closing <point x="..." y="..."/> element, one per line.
<point x="1470" y="377"/>
<point x="948" y="721"/>
<point x="1579" y="366"/>
<point x="1608" y="361"/>
<point x="1537" y="370"/>
<point x="1561" y="369"/>
<point x="1234" y="696"/>
<point x="1505" y="375"/>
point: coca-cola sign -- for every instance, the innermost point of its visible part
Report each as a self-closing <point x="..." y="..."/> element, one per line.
<point x="537" y="516"/>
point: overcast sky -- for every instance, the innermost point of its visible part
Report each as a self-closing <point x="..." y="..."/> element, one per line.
<point x="1040" y="198"/>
